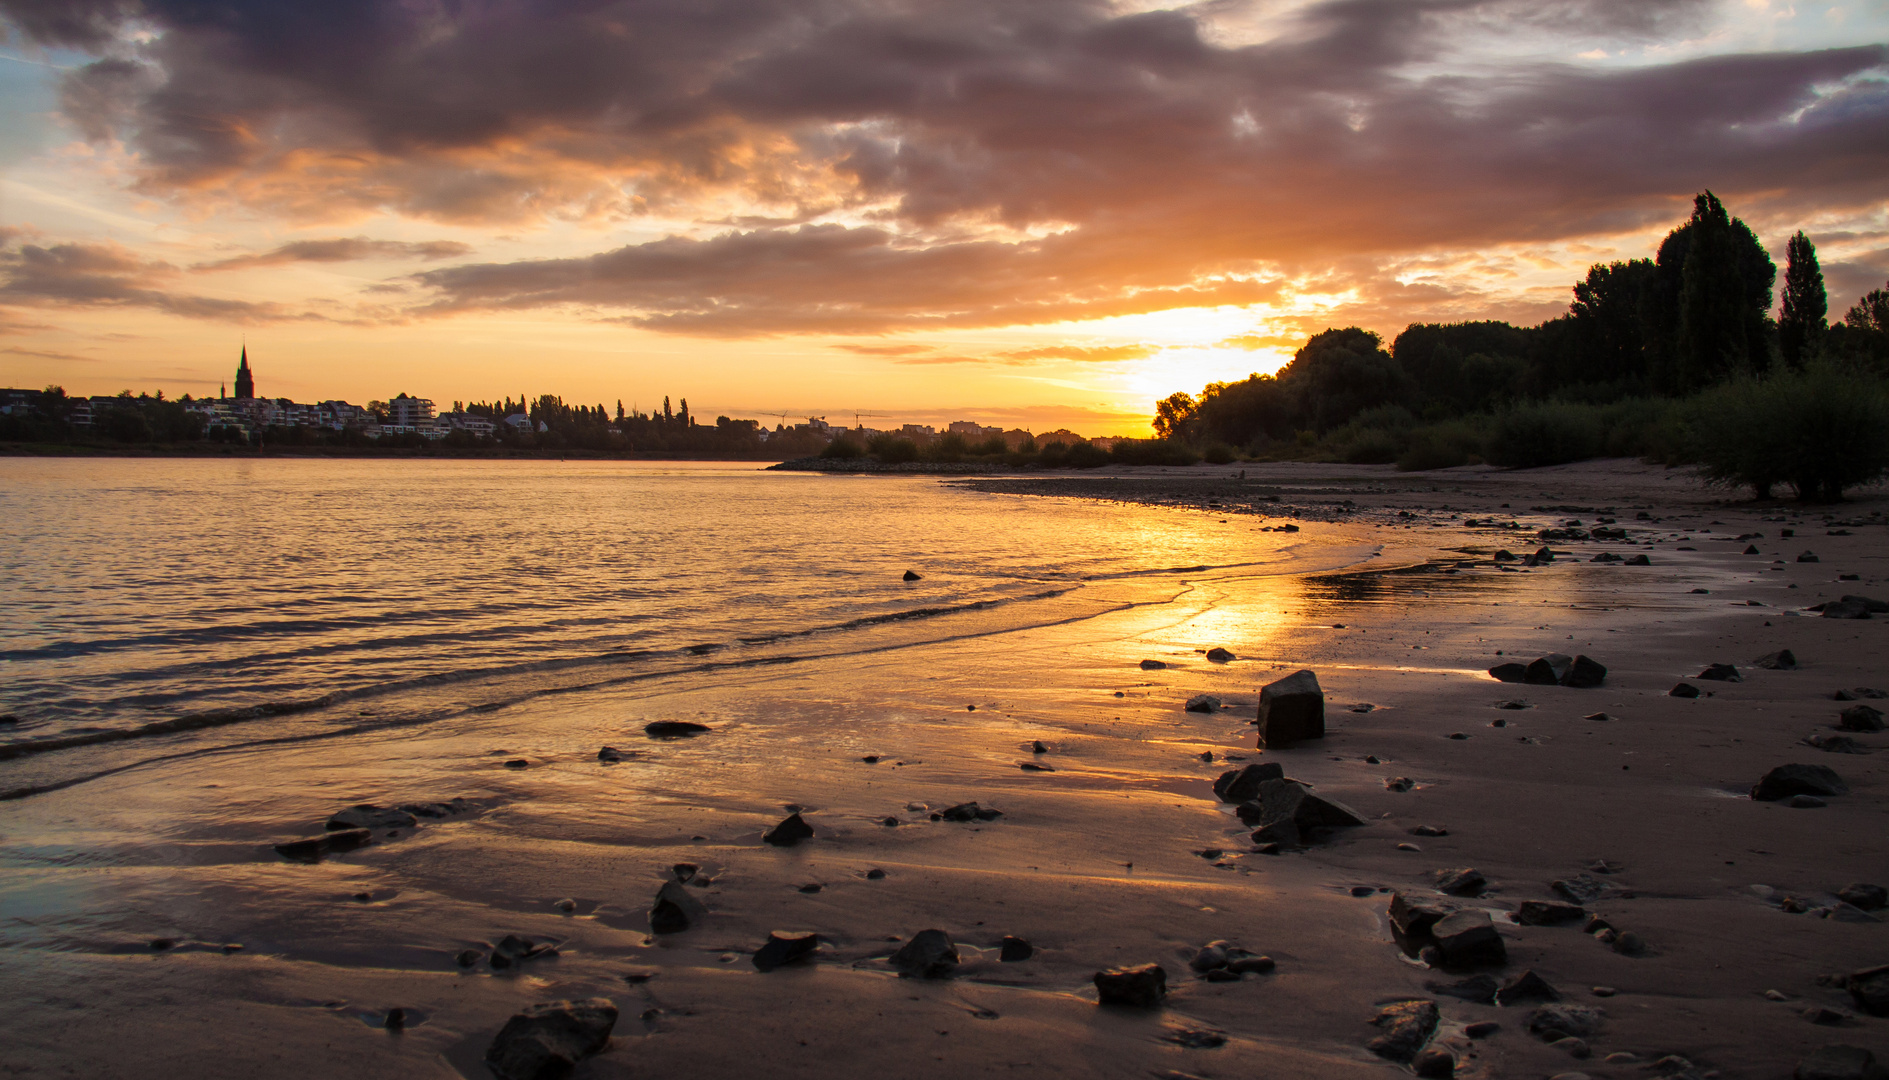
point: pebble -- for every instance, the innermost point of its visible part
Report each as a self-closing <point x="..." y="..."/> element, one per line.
<point x="1141" y="986"/>
<point x="1481" y="1029"/>
<point x="1014" y="949"/>
<point x="1603" y="991"/>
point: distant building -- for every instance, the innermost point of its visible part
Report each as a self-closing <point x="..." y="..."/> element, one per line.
<point x="1061" y="435"/>
<point x="1105" y="442"/>
<point x="974" y="431"/>
<point x="407" y="415"/>
<point x="518" y="422"/>
<point x="1016" y="437"/>
<point x="245" y="380"/>
<point x="468" y="422"/>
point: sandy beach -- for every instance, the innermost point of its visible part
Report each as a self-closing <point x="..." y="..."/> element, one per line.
<point x="153" y="931"/>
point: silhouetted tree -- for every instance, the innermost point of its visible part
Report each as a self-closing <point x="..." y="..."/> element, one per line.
<point x="1607" y="327"/>
<point x="1707" y="304"/>
<point x="1172" y="415"/>
<point x="1340" y="373"/>
<point x="1800" y="324"/>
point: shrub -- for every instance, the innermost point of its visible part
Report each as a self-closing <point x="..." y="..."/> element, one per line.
<point x="949" y="447"/>
<point x="1153" y="452"/>
<point x="1371" y="446"/>
<point x="893" y="449"/>
<point x="843" y="447"/>
<point x="1819" y="430"/>
<point x="1550" y="433"/>
<point x="1219" y="453"/>
<point x="1440" y="446"/>
<point x="1085" y="455"/>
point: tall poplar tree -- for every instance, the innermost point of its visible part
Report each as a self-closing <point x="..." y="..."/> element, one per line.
<point x="1800" y="324"/>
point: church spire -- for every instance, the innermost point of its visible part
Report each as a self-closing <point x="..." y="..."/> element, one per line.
<point x="245" y="381"/>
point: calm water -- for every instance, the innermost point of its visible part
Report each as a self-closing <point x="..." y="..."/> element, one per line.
<point x="141" y="590"/>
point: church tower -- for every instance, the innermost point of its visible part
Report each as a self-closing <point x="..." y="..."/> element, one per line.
<point x="245" y="382"/>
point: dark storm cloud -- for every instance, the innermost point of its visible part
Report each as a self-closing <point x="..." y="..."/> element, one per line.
<point x="1169" y="168"/>
<point x="343" y="249"/>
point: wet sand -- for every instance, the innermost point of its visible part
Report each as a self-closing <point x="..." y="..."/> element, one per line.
<point x="1095" y="862"/>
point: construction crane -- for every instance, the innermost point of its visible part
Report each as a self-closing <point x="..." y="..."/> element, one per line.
<point x="857" y="414"/>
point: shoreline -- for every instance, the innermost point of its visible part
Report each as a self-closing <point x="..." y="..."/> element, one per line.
<point x="1099" y="860"/>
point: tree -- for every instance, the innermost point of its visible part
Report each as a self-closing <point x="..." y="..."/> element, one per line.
<point x="1606" y="314"/>
<point x="1173" y="416"/>
<point x="1340" y="373"/>
<point x="1704" y="309"/>
<point x="1800" y="324"/>
<point x="1869" y="313"/>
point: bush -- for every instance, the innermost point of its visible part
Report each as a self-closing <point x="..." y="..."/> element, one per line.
<point x="949" y="447"/>
<point x="893" y="449"/>
<point x="1441" y="446"/>
<point x="1550" y="433"/>
<point x="1085" y="455"/>
<point x="1219" y="453"/>
<point x="1371" y="446"/>
<point x="843" y="447"/>
<point x="1819" y="430"/>
<point x="1153" y="452"/>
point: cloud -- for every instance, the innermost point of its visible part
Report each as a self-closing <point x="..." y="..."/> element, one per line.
<point x="887" y="350"/>
<point x="48" y="355"/>
<point x="896" y="166"/>
<point x="342" y="250"/>
<point x="1087" y="354"/>
<point x="110" y="276"/>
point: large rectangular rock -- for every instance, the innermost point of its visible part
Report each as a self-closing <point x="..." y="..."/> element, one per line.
<point x="1291" y="710"/>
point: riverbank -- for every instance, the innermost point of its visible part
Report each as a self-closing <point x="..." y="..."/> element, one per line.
<point x="1111" y="848"/>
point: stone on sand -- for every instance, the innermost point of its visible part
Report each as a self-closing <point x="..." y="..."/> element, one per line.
<point x="1684" y="690"/>
<point x="791" y="830"/>
<point x="673" y="729"/>
<point x="1797" y="779"/>
<point x="1870" y="988"/>
<point x="1288" y="802"/>
<point x="1850" y="607"/>
<point x="1414" y="919"/>
<point x="1242" y="784"/>
<point x="1865" y="897"/>
<point x="1782" y="660"/>
<point x="1720" y="673"/>
<point x="1406" y="1025"/>
<point x="1291" y="710"/>
<point x="1152" y="665"/>
<point x="784" y="947"/>
<point x="1548" y="670"/>
<point x="1838" y="1061"/>
<point x="1480" y="989"/>
<point x="1015" y="949"/>
<point x="315" y="848"/>
<point x="1434" y="1063"/>
<point x="969" y="811"/>
<point x="1584" y="674"/>
<point x="546" y="1041"/>
<point x="1527" y="986"/>
<point x="1577" y="1020"/>
<point x="369" y="816"/>
<point x="1220" y="656"/>
<point x="1511" y="672"/>
<point x="675" y="909"/>
<point x="1546" y="913"/>
<point x="1464" y="882"/>
<point x="910" y="576"/>
<point x="930" y="954"/>
<point x="1469" y="939"/>
<point x="1203" y="703"/>
<point x="1141" y="986"/>
<point x="1861" y="718"/>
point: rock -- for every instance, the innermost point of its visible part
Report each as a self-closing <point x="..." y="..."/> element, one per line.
<point x="1599" y="717"/>
<point x="673" y="729"/>
<point x="1510" y="672"/>
<point x="1210" y="957"/>
<point x="1251" y="965"/>
<point x="1035" y="766"/>
<point x="1284" y="802"/>
<point x="784" y="947"/>
<point x="1203" y="703"/>
<point x="1782" y="660"/>
<point x="1684" y="689"/>
<point x="1584" y="674"/>
<point x="1864" y="897"/>
<point x="369" y="816"/>
<point x="1527" y="986"/>
<point x="1805" y="802"/>
<point x="546" y="1041"/>
<point x="1469" y="939"/>
<point x="1152" y="665"/>
<point x="1477" y="988"/>
<point x="909" y="576"/>
<point x="969" y="811"/>
<point x="1638" y="560"/>
<point x="1548" y="670"/>
<point x="1414" y="920"/>
<point x="1428" y="830"/>
<point x="1015" y="949"/>
<point x="1860" y="693"/>
<point x="1605" y="557"/>
<point x="1399" y="783"/>
<point x="1580" y="888"/>
<point x="1575" y="1048"/>
<point x="518" y="763"/>
<point x="1849" y="607"/>
<point x="1219" y="656"/>
<point x="1406" y="1025"/>
<point x="1870" y="604"/>
<point x="1834" y="744"/>
<point x="1752" y="549"/>
<point x="1481" y="1029"/>
<point x="1434" y="1062"/>
<point x="1544" y="913"/>
<point x="675" y="910"/>
<point x="396" y="1019"/>
<point x="1840" y="1062"/>
<point x="791" y="830"/>
<point x="566" y="905"/>
<point x="315" y="848"/>
<point x="1861" y="718"/>
<point x="1629" y="943"/>
<point x="1870" y="988"/>
<point x="1466" y="882"/>
<point x="1242" y="785"/>
<point x="1720" y="673"/>
<point x="1808" y="556"/>
<point x="1291" y="710"/>
<point x="1504" y="555"/>
<point x="610" y="754"/>
<point x="1142" y="986"/>
<point x="1543" y="555"/>
<point x="1787" y="780"/>
<point x="468" y="957"/>
<point x="929" y="955"/>
<point x="1576" y="1020"/>
<point x="1038" y="746"/>
<point x="1826" y="1016"/>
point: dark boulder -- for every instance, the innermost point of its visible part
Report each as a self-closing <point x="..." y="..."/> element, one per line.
<point x="1781" y="660"/>
<point x="673" y="729"/>
<point x="1720" y="673"/>
<point x="369" y="816"/>
<point x="791" y="830"/>
<point x="969" y="811"/>
<point x="1510" y="672"/>
<point x="1835" y="744"/>
<point x="1577" y="1020"/>
<point x="546" y="1041"/>
<point x="1861" y="718"/>
<point x="1527" y="986"/>
<point x="1015" y="949"/>
<point x="1152" y="665"/>
<point x="1141" y="987"/>
<point x="610" y="755"/>
<point x="1788" y="780"/>
<point x="1850" y="607"/>
<point x="1684" y="690"/>
<point x="1860" y="693"/>
<point x="1584" y="674"/>
<point x="1291" y="710"/>
<point x="1242" y="785"/>
<point x="1638" y="560"/>
<point x="1840" y="1062"/>
<point x="1870" y="603"/>
<point x="1808" y="556"/>
<point x="1465" y="882"/>
<point x="1544" y="913"/>
<point x="675" y="909"/>
<point x="930" y="954"/>
<point x="1406" y="1026"/>
<point x="909" y="576"/>
<point x="1204" y="703"/>
<point x="1412" y="920"/>
<point x="315" y="848"/>
<point x="1288" y="802"/>
<point x="1870" y="988"/>
<point x="1220" y="656"/>
<point x="1469" y="939"/>
<point x="1480" y="989"/>
<point x="1865" y="897"/>
<point x="784" y="947"/>
<point x="1548" y="670"/>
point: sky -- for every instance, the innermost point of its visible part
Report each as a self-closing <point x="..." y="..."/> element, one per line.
<point x="1043" y="214"/>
